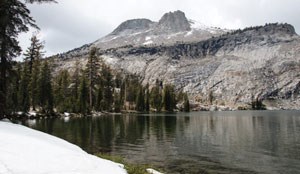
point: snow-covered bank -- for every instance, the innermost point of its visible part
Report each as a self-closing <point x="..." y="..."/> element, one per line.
<point x="27" y="151"/>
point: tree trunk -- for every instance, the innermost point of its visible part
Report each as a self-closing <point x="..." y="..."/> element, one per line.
<point x="3" y="67"/>
<point x="91" y="85"/>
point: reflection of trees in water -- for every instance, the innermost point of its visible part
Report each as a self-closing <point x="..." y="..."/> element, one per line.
<point x="157" y="138"/>
<point x="170" y="126"/>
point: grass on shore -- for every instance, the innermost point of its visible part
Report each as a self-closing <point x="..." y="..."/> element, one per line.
<point x="130" y="168"/>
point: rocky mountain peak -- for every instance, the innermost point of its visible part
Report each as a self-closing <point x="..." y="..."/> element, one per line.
<point x="280" y="28"/>
<point x="133" y="25"/>
<point x="174" y="22"/>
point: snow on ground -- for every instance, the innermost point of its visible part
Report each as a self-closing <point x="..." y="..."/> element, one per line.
<point x="197" y="25"/>
<point x="27" y="151"/>
<point x="32" y="114"/>
<point x="148" y="42"/>
<point x="152" y="171"/>
<point x="189" y="33"/>
<point x="147" y="38"/>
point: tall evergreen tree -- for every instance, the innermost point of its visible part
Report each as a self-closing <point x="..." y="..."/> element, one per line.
<point x="83" y="96"/>
<point x="92" y="69"/>
<point x="14" y="19"/>
<point x="108" y="87"/>
<point x="34" y="83"/>
<point x="45" y="94"/>
<point x="62" y="98"/>
<point x="131" y="87"/>
<point x="99" y="101"/>
<point x="23" y="96"/>
<point x="117" y="101"/>
<point x="123" y="94"/>
<point x="13" y="88"/>
<point x="75" y="81"/>
<point x="169" y="99"/>
<point x="34" y="51"/>
<point x="156" y="98"/>
<point x="140" y="99"/>
<point x="147" y="99"/>
<point x="32" y="58"/>
<point x="186" y="103"/>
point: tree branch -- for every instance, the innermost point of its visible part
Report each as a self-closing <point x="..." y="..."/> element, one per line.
<point x="40" y="1"/>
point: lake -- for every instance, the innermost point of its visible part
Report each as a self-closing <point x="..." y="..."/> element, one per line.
<point x="188" y="143"/>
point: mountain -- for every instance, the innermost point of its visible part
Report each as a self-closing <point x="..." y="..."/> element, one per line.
<point x="171" y="28"/>
<point x="220" y="69"/>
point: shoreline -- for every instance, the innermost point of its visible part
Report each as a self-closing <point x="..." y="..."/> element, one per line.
<point x="36" y="115"/>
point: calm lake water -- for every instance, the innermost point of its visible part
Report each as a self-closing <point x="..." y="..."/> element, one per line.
<point x="196" y="142"/>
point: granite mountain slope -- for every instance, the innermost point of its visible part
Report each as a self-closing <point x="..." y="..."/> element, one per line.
<point x="219" y="68"/>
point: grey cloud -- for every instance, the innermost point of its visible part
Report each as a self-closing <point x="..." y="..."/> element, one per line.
<point x="72" y="23"/>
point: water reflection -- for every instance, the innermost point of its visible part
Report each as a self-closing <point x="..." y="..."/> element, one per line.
<point x="227" y="142"/>
<point x="31" y="122"/>
<point x="66" y="119"/>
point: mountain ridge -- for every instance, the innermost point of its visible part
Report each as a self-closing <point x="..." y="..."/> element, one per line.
<point x="172" y="27"/>
<point x="256" y="64"/>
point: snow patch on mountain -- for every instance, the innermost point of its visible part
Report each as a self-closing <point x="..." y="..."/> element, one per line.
<point x="147" y="38"/>
<point x="148" y="42"/>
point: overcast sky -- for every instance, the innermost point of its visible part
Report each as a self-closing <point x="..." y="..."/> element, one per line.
<point x="72" y="23"/>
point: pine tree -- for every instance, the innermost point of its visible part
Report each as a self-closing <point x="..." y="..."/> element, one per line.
<point x="92" y="68"/>
<point x="147" y="99"/>
<point x="186" y="103"/>
<point x="173" y="97"/>
<point x="23" y="96"/>
<point x="119" y="93"/>
<point x="34" y="83"/>
<point x="156" y="98"/>
<point x="32" y="59"/>
<point x="75" y="80"/>
<point x="210" y="97"/>
<point x="83" y="96"/>
<point x="132" y="86"/>
<point x="13" y="101"/>
<point x="33" y="52"/>
<point x="118" y="80"/>
<point x="117" y="102"/>
<point x="99" y="106"/>
<point x="14" y="19"/>
<point x="62" y="98"/>
<point x="140" y="105"/>
<point x="45" y="95"/>
<point x="169" y="99"/>
<point x="108" y="87"/>
<point x="65" y="107"/>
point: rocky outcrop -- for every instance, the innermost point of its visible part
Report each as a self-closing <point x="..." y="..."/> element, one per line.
<point x="173" y="22"/>
<point x="133" y="26"/>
